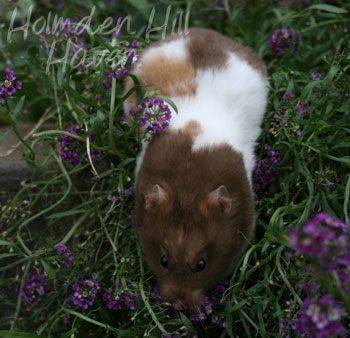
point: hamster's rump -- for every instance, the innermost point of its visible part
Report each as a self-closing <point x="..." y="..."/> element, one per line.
<point x="194" y="201"/>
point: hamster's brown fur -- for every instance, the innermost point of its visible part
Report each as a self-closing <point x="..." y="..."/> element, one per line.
<point x="187" y="221"/>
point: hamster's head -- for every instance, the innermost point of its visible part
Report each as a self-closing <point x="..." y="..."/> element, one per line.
<point x="190" y="242"/>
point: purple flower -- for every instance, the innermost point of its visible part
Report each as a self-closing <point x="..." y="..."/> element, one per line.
<point x="284" y="40"/>
<point x="267" y="169"/>
<point x="84" y="293"/>
<point x="152" y="116"/>
<point x="19" y="84"/>
<point x="10" y="74"/>
<point x="71" y="150"/>
<point x="329" y="185"/>
<point x="135" y="44"/>
<point x="34" y="287"/>
<point x="62" y="250"/>
<point x="8" y="86"/>
<point x="279" y="117"/>
<point x="3" y="94"/>
<point x="111" y="198"/>
<point x="320" y="318"/>
<point x="316" y="76"/>
<point x="303" y="108"/>
<point x="324" y="240"/>
<point x="288" y="96"/>
<point x="122" y="298"/>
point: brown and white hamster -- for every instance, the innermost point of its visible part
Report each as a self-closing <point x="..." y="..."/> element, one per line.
<point x="194" y="201"/>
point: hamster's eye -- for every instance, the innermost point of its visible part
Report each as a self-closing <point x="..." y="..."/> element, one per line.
<point x="200" y="265"/>
<point x="164" y="262"/>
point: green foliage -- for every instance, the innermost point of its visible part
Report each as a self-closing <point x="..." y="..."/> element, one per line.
<point x="85" y="206"/>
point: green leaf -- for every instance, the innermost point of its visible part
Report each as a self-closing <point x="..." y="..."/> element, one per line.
<point x="238" y="305"/>
<point x="66" y="213"/>
<point x="49" y="270"/>
<point x="328" y="8"/>
<point x="3" y="242"/>
<point x="74" y="94"/>
<point x="3" y="137"/>
<point x="9" y="334"/>
<point x="17" y="109"/>
<point x="70" y="333"/>
<point x="125" y="162"/>
<point x="142" y="6"/>
<point x="188" y="324"/>
<point x="5" y="255"/>
<point x="60" y="76"/>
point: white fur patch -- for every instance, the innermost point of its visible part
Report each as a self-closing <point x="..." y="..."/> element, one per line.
<point x="175" y="49"/>
<point x="229" y="105"/>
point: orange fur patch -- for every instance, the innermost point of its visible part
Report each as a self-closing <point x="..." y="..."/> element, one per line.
<point x="192" y="129"/>
<point x="172" y="77"/>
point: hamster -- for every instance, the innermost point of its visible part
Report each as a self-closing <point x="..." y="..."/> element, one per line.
<point x="194" y="201"/>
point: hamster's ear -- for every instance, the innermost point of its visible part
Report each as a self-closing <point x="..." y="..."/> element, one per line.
<point x="155" y="197"/>
<point x="220" y="198"/>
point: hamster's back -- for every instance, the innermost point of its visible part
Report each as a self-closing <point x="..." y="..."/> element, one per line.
<point x="213" y="81"/>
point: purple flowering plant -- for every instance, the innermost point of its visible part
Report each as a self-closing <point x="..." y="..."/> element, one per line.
<point x="72" y="226"/>
<point x="284" y="41"/>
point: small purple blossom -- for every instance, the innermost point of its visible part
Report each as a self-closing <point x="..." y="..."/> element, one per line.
<point x="279" y="117"/>
<point x="135" y="44"/>
<point x="325" y="241"/>
<point x="282" y="41"/>
<point x="71" y="149"/>
<point x="316" y="76"/>
<point x="8" y="86"/>
<point x="303" y="108"/>
<point x="122" y="195"/>
<point x="152" y="116"/>
<point x="288" y="96"/>
<point x="267" y="169"/>
<point x="62" y="250"/>
<point x="122" y="298"/>
<point x="34" y="287"/>
<point x="320" y="318"/>
<point x="84" y="293"/>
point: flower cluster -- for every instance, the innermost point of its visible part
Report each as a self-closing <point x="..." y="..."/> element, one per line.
<point x="34" y="287"/>
<point x="284" y="40"/>
<point x="303" y="108"/>
<point x="8" y="86"/>
<point x="122" y="298"/>
<point x="287" y="117"/>
<point x="326" y="240"/>
<point x="319" y="318"/>
<point x="71" y="149"/>
<point x="84" y="293"/>
<point x="267" y="169"/>
<point x="152" y="116"/>
<point x="72" y="28"/>
<point x="62" y="250"/>
<point x="122" y="195"/>
<point x="130" y="55"/>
